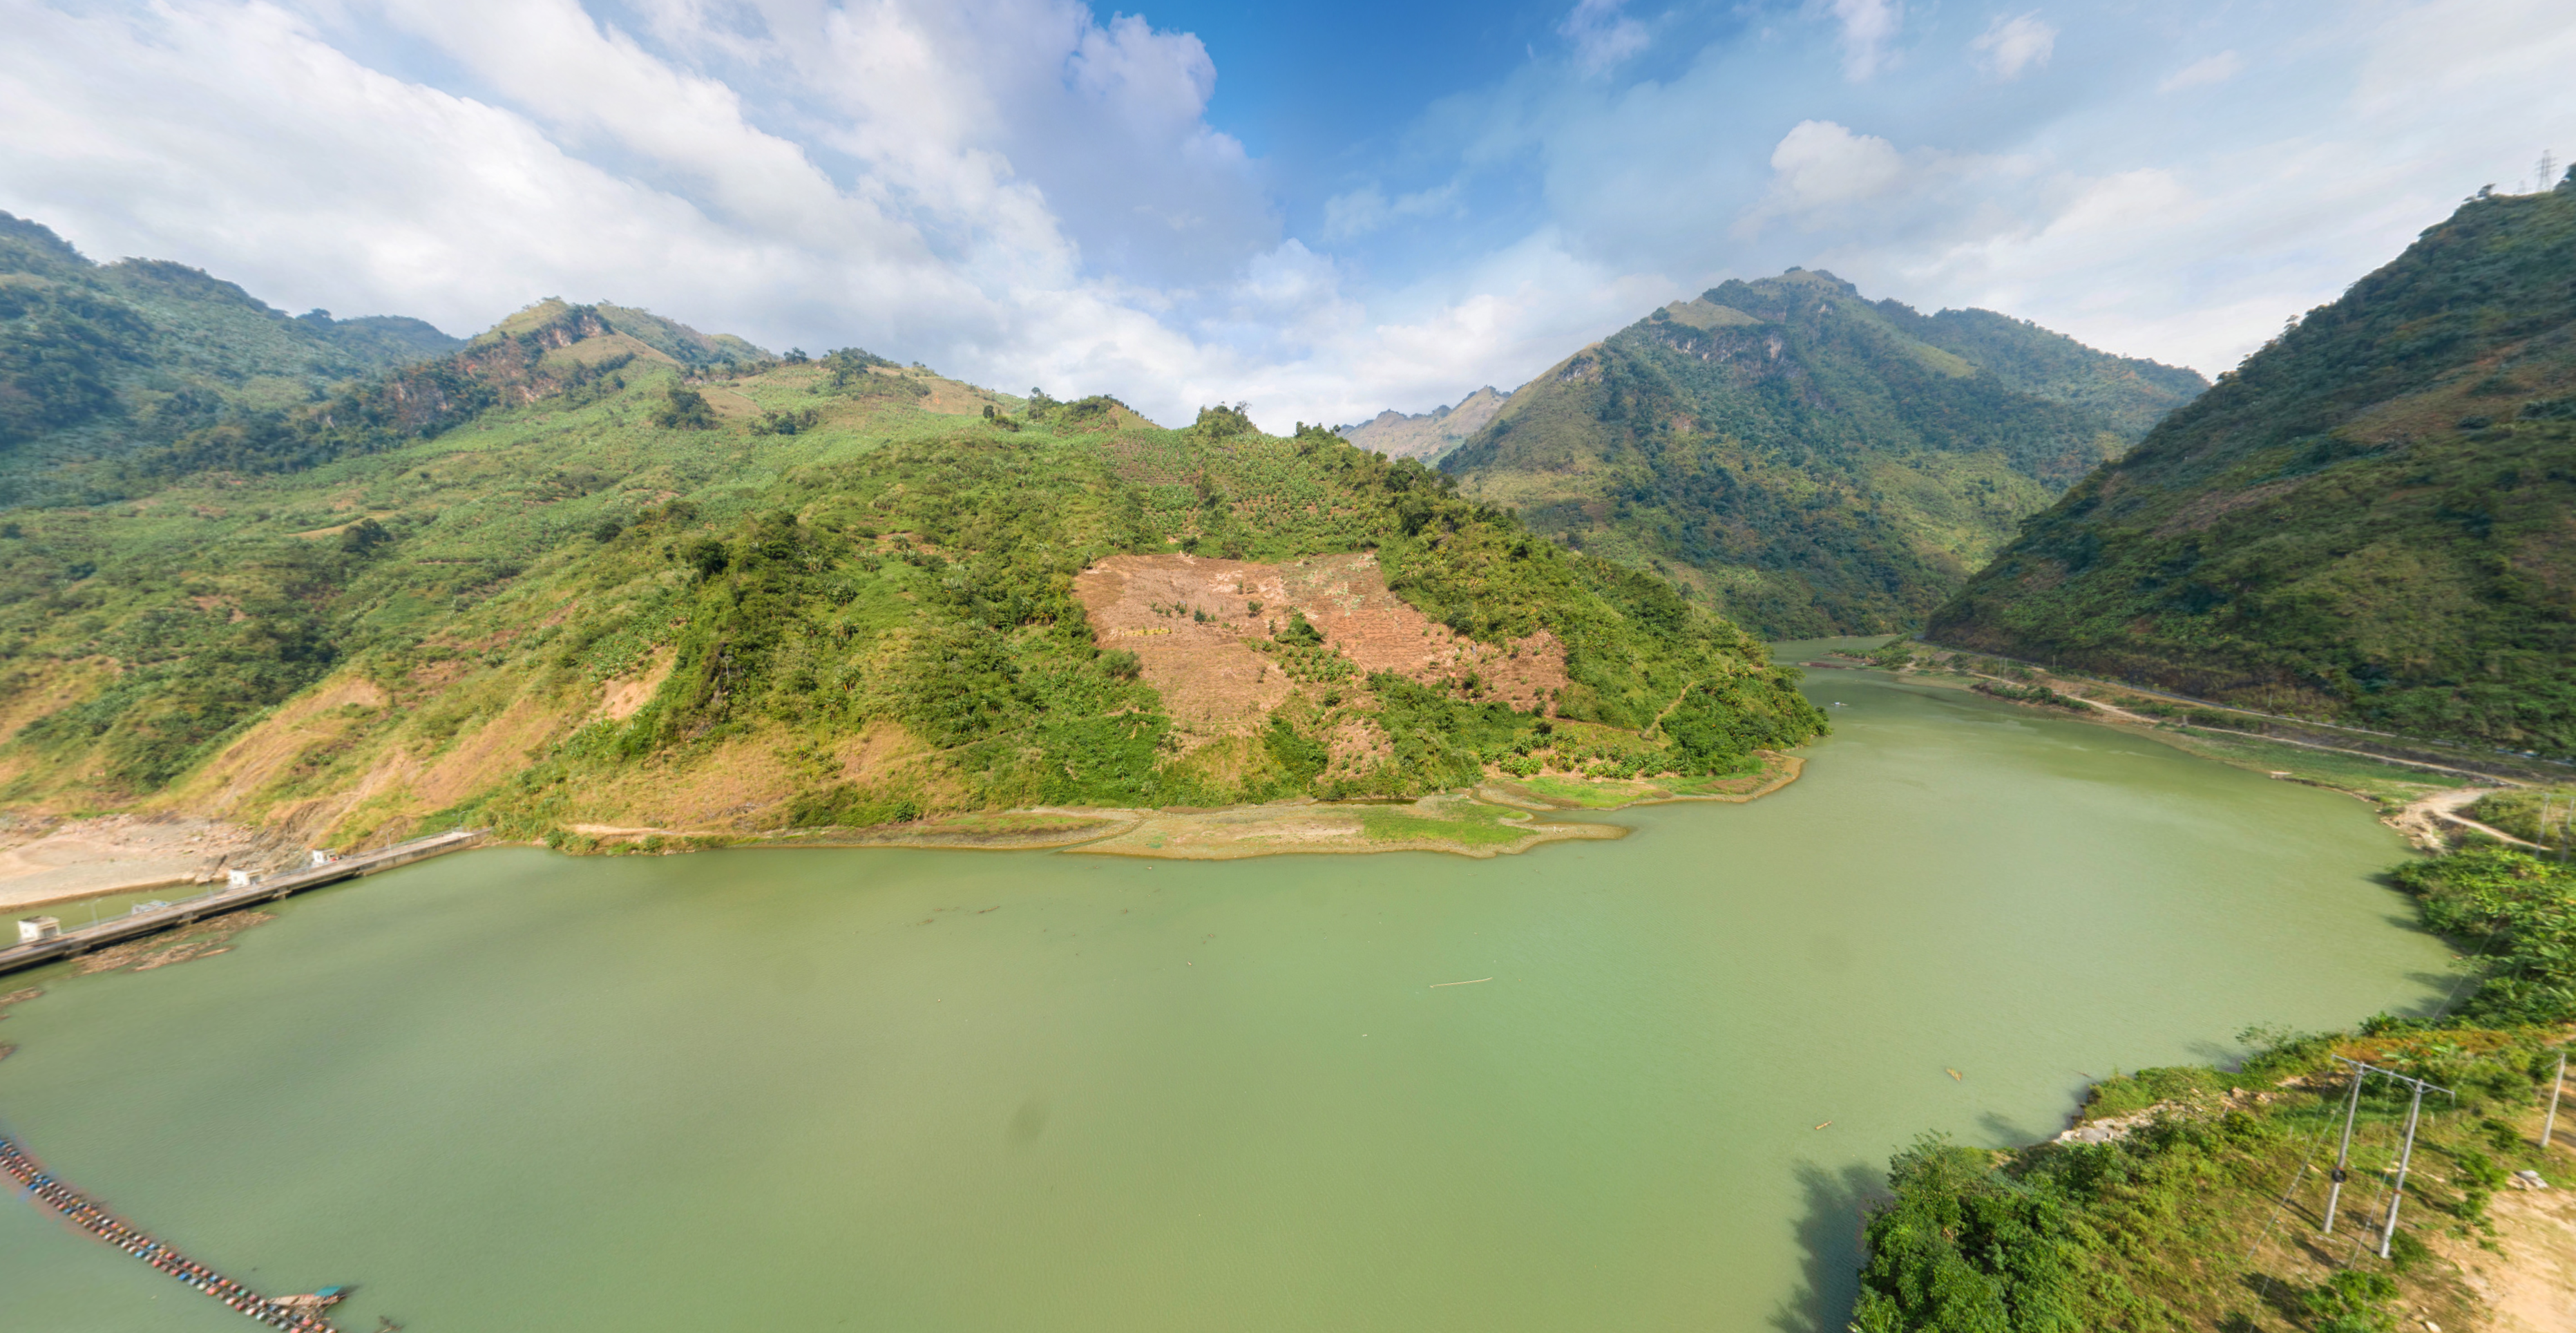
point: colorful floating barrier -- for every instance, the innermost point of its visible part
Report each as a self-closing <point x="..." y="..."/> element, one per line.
<point x="293" y="1313"/>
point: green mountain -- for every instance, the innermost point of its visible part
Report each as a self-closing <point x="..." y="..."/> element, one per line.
<point x="97" y="361"/>
<point x="1807" y="461"/>
<point x="2372" y="520"/>
<point x="557" y="580"/>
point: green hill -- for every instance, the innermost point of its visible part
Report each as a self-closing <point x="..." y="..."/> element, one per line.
<point x="2373" y="520"/>
<point x="1807" y="461"/>
<point x="556" y="580"/>
<point x="98" y="361"/>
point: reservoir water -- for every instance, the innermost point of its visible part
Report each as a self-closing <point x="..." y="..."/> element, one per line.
<point x="928" y="1091"/>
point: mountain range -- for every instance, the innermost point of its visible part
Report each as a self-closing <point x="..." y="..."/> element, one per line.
<point x="593" y="568"/>
<point x="100" y="360"/>
<point x="1428" y="436"/>
<point x="1807" y="461"/>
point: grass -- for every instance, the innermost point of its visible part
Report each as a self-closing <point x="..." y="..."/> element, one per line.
<point x="1589" y="793"/>
<point x="1477" y="825"/>
<point x="2387" y="783"/>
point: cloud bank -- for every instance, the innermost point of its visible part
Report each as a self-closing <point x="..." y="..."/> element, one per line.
<point x="1026" y="192"/>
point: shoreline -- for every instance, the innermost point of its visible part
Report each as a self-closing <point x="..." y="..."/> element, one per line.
<point x="2416" y="798"/>
<point x="1500" y="816"/>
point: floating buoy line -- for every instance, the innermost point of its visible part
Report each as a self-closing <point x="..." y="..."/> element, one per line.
<point x="299" y="1313"/>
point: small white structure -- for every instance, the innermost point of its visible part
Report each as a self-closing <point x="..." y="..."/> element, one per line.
<point x="37" y="929"/>
<point x="237" y="879"/>
<point x="323" y="858"/>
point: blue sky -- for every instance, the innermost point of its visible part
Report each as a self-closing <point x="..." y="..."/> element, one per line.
<point x="1321" y="209"/>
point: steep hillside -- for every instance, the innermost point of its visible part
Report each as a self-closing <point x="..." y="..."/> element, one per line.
<point x="2372" y="520"/>
<point x="1807" y="461"/>
<point x="1428" y="436"/>
<point x="97" y="361"/>
<point x="568" y="584"/>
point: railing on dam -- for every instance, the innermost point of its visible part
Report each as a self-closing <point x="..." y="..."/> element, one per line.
<point x="140" y="923"/>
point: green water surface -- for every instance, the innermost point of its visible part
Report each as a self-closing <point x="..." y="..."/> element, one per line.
<point x="930" y="1091"/>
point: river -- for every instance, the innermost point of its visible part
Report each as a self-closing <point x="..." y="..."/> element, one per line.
<point x="931" y="1091"/>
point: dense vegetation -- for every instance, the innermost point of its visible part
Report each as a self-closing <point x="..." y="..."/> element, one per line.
<point x="99" y="361"/>
<point x="2156" y="1229"/>
<point x="2368" y="521"/>
<point x="844" y="586"/>
<point x="1809" y="462"/>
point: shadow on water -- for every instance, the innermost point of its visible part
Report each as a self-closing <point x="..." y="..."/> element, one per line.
<point x="1829" y="1245"/>
<point x="2006" y="1130"/>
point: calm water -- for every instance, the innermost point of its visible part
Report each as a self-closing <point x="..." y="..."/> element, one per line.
<point x="921" y="1091"/>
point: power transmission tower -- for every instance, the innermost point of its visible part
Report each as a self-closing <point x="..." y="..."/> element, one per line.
<point x="2397" y="1194"/>
<point x="2343" y="1155"/>
<point x="2549" y="1127"/>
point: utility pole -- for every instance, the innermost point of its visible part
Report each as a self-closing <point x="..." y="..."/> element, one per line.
<point x="2343" y="1155"/>
<point x="2549" y="1127"/>
<point x="2397" y="1195"/>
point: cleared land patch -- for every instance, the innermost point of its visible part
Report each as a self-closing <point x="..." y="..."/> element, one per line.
<point x="1208" y="633"/>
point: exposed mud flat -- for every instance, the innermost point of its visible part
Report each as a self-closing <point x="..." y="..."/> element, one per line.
<point x="49" y="861"/>
<point x="205" y="939"/>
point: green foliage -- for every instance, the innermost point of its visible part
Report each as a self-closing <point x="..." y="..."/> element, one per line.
<point x="1966" y="1249"/>
<point x="2352" y="1301"/>
<point x="779" y="423"/>
<point x="1826" y="465"/>
<point x="100" y="362"/>
<point x="2545" y="815"/>
<point x="2032" y="694"/>
<point x="2366" y="522"/>
<point x="900" y="567"/>
<point x="687" y="410"/>
<point x="2518" y="913"/>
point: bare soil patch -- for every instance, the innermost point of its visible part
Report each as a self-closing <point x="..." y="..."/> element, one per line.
<point x="1192" y="624"/>
<point x="49" y="861"/>
<point x="626" y="694"/>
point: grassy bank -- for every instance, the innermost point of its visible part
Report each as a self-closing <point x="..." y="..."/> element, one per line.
<point x="2202" y="1206"/>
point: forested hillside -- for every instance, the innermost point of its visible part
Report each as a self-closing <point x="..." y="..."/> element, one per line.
<point x="558" y="577"/>
<point x="100" y="361"/>
<point x="2373" y="520"/>
<point x="1808" y="461"/>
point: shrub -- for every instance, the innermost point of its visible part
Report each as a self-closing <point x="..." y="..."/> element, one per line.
<point x="686" y="410"/>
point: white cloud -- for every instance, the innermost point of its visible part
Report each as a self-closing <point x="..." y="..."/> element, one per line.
<point x="2204" y="72"/>
<point x="1602" y="36"/>
<point x="1026" y="191"/>
<point x="1868" y="27"/>
<point x="1820" y="168"/>
<point x="2010" y="46"/>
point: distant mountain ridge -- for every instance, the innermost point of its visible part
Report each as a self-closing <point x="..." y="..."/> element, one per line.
<point x="2373" y="519"/>
<point x="1428" y="436"/>
<point x="1811" y="462"/>
<point x="114" y="377"/>
<point x="99" y="359"/>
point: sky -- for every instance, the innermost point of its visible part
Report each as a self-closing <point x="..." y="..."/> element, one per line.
<point x="1319" y="210"/>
